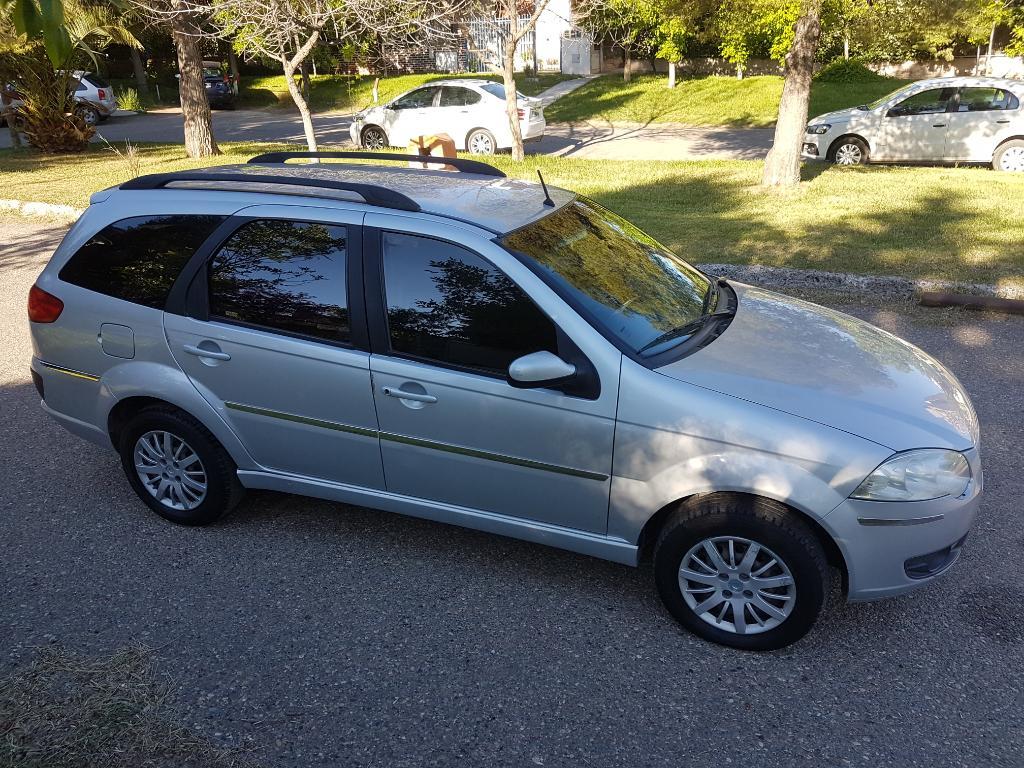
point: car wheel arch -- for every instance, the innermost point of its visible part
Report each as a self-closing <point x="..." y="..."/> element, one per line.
<point x="830" y="155"/>
<point x="373" y="126"/>
<point x="650" y="530"/>
<point x="477" y="129"/>
<point x="1002" y="143"/>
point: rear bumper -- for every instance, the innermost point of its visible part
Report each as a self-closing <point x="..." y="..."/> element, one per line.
<point x="891" y="547"/>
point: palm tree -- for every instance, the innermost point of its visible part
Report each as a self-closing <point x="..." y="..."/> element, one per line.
<point x="42" y="61"/>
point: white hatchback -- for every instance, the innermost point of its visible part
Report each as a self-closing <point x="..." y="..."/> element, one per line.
<point x="943" y="120"/>
<point x="471" y="112"/>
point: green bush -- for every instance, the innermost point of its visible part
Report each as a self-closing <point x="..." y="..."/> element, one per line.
<point x="846" y="71"/>
<point x="128" y="99"/>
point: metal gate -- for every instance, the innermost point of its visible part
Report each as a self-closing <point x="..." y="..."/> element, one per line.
<point x="487" y="42"/>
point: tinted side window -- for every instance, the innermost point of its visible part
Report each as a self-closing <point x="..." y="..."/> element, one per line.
<point x="448" y="305"/>
<point x="986" y="99"/>
<point x="138" y="259"/>
<point x="930" y="102"/>
<point x="458" y="97"/>
<point x="284" y="275"/>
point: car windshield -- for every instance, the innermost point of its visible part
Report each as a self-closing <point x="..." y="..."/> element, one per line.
<point x="497" y="89"/>
<point x="638" y="290"/>
<point x="879" y="102"/>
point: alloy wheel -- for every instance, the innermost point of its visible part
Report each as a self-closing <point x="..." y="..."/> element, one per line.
<point x="737" y="585"/>
<point x="374" y="139"/>
<point x="849" y="154"/>
<point x="1012" y="160"/>
<point x="170" y="470"/>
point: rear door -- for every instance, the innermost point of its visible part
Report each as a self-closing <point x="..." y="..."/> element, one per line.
<point x="458" y="110"/>
<point x="984" y="117"/>
<point x="273" y="336"/>
<point x="915" y="129"/>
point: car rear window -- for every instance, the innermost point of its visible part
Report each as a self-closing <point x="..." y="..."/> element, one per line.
<point x="138" y="259"/>
<point x="96" y="80"/>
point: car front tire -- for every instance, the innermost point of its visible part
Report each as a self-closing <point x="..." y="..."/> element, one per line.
<point x="177" y="467"/>
<point x="1009" y="157"/>
<point x="742" y="572"/>
<point x="849" y="150"/>
<point x="373" y="138"/>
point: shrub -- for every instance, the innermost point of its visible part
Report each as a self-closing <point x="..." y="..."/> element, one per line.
<point x="846" y="71"/>
<point x="128" y="99"/>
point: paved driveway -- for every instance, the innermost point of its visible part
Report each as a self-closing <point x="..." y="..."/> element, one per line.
<point x="322" y="634"/>
<point x="593" y="139"/>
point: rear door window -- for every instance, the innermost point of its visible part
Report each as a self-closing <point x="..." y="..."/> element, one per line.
<point x="138" y="259"/>
<point x="284" y="276"/>
<point x="452" y="96"/>
<point x="987" y="100"/>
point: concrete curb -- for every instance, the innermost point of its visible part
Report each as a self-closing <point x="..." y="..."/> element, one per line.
<point x="43" y="210"/>
<point x="842" y="282"/>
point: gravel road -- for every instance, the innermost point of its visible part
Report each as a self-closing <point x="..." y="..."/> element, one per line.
<point x="320" y="634"/>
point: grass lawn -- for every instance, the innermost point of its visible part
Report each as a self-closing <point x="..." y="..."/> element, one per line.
<point x="346" y="93"/>
<point x="953" y="223"/>
<point x="713" y="100"/>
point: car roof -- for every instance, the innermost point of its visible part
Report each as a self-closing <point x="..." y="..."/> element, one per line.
<point x="495" y="203"/>
<point x="962" y="81"/>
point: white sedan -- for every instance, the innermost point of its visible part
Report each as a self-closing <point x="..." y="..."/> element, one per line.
<point x="943" y="120"/>
<point x="472" y="112"/>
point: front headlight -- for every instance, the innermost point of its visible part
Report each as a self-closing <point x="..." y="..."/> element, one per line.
<point x="818" y="129"/>
<point x="917" y="476"/>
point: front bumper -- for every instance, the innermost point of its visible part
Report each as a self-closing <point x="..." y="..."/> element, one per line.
<point x="354" y="130"/>
<point x="895" y="547"/>
<point x="813" y="147"/>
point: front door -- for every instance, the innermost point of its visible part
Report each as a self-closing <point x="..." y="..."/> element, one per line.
<point x="411" y="115"/>
<point x="453" y="429"/>
<point x="915" y="129"/>
<point x="271" y="341"/>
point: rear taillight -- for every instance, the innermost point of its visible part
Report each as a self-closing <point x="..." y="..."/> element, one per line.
<point x="521" y="113"/>
<point x="102" y="93"/>
<point x="43" y="307"/>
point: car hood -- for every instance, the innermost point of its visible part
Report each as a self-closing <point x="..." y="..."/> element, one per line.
<point x="839" y="116"/>
<point x="834" y="369"/>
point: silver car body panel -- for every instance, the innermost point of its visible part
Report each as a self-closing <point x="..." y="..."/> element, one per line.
<point x="792" y="402"/>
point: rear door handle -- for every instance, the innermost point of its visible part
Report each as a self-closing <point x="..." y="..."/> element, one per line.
<point x="416" y="397"/>
<point x="1002" y="121"/>
<point x="210" y="353"/>
<point x="939" y="125"/>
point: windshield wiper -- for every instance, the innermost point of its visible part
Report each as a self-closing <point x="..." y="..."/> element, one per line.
<point x="688" y="329"/>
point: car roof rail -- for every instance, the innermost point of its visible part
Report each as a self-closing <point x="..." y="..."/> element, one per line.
<point x="466" y="166"/>
<point x="372" y="194"/>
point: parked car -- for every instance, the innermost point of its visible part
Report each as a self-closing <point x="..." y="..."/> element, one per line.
<point x="94" y="97"/>
<point x="220" y="91"/>
<point x="944" y="120"/>
<point x="471" y="112"/>
<point x="490" y="353"/>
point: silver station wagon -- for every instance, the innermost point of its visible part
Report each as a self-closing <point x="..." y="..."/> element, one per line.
<point x="476" y="350"/>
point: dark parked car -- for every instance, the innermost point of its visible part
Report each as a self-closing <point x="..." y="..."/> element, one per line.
<point x="220" y="91"/>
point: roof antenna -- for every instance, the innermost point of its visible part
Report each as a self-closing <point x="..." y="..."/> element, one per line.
<point x="547" y="198"/>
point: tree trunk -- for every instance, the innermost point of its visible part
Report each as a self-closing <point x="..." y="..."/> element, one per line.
<point x="739" y="71"/>
<point x="376" y="92"/>
<point x="199" y="140"/>
<point x="977" y="61"/>
<point x="140" y="72"/>
<point x="509" y="76"/>
<point x="846" y="47"/>
<point x="300" y="102"/>
<point x="236" y="77"/>
<point x="626" y="65"/>
<point x="305" y="78"/>
<point x="671" y="74"/>
<point x="988" y="58"/>
<point x="782" y="166"/>
<point x="12" y="126"/>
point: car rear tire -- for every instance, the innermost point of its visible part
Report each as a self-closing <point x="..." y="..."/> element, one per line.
<point x="374" y="138"/>
<point x="177" y="467"/>
<point x="481" y="142"/>
<point x="849" y="150"/>
<point x="739" y="571"/>
<point x="1009" y="157"/>
<point x="90" y="115"/>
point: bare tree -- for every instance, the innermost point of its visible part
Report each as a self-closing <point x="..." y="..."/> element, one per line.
<point x="782" y="166"/>
<point x="184" y="19"/>
<point x="287" y="31"/>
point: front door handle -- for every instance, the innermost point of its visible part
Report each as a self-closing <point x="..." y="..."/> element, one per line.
<point x="210" y="353"/>
<point x="1002" y="121"/>
<point x="416" y="397"/>
<point x="939" y="125"/>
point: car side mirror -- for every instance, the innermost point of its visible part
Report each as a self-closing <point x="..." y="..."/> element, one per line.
<point x="539" y="369"/>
